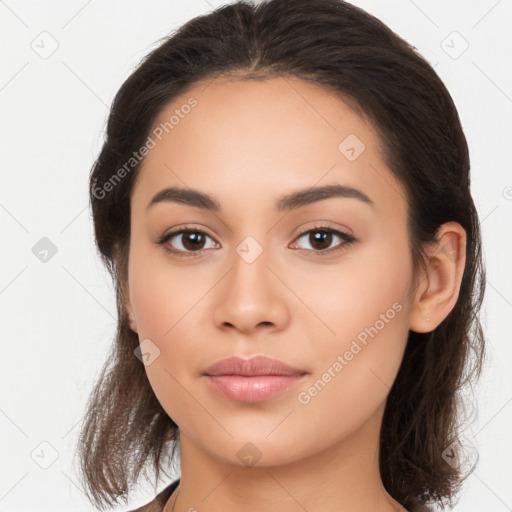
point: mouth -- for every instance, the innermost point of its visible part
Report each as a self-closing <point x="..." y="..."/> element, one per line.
<point x="252" y="380"/>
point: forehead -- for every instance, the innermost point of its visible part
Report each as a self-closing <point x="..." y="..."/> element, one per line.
<point x="253" y="136"/>
<point x="253" y="112"/>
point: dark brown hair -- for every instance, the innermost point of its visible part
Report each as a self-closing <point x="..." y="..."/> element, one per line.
<point x="355" y="56"/>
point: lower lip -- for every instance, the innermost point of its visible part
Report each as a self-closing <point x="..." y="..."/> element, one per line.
<point x="252" y="389"/>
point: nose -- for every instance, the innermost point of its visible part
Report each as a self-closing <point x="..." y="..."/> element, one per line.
<point x="251" y="297"/>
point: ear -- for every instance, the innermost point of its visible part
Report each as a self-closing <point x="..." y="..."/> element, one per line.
<point x="438" y="288"/>
<point x="130" y="314"/>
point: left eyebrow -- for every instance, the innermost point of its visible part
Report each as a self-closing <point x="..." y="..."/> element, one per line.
<point x="288" y="202"/>
<point x="312" y="195"/>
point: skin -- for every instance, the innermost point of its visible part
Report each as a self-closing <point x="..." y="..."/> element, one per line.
<point x="247" y="144"/>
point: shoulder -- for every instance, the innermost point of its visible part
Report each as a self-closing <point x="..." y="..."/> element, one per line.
<point x="158" y="504"/>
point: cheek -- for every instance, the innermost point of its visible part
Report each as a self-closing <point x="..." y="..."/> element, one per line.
<point x="166" y="301"/>
<point x="162" y="295"/>
<point x="355" y="370"/>
<point x="367" y="309"/>
<point x="368" y="287"/>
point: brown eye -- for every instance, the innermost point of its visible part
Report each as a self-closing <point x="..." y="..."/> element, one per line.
<point x="192" y="240"/>
<point x="321" y="239"/>
<point x="186" y="241"/>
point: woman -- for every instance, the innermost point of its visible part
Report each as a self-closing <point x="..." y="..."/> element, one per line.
<point x="283" y="201"/>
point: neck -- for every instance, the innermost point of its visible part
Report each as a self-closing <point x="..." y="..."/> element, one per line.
<point x="344" y="477"/>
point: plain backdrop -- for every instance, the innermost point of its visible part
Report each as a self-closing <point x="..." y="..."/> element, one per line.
<point x="62" y="63"/>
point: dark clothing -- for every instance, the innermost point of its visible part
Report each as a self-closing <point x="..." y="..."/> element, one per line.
<point x="158" y="504"/>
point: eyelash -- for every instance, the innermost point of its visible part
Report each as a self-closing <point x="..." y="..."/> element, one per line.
<point x="348" y="240"/>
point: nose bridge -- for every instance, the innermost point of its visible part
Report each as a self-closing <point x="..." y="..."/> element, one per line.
<point x="251" y="249"/>
<point x="251" y="294"/>
<point x="250" y="262"/>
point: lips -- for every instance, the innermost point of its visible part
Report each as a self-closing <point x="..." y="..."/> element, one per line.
<point x="258" y="365"/>
<point x="252" y="380"/>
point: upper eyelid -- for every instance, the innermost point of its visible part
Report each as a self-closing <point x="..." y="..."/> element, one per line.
<point x="188" y="229"/>
<point x="318" y="226"/>
<point x="300" y="233"/>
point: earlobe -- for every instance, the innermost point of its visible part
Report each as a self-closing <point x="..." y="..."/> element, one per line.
<point x="439" y="285"/>
<point x="131" y="318"/>
<point x="129" y="309"/>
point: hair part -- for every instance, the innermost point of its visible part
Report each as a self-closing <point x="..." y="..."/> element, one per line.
<point x="354" y="55"/>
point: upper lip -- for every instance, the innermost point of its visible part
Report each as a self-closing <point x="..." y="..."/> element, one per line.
<point x="258" y="365"/>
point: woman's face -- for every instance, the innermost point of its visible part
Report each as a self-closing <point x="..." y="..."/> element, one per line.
<point x="264" y="276"/>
